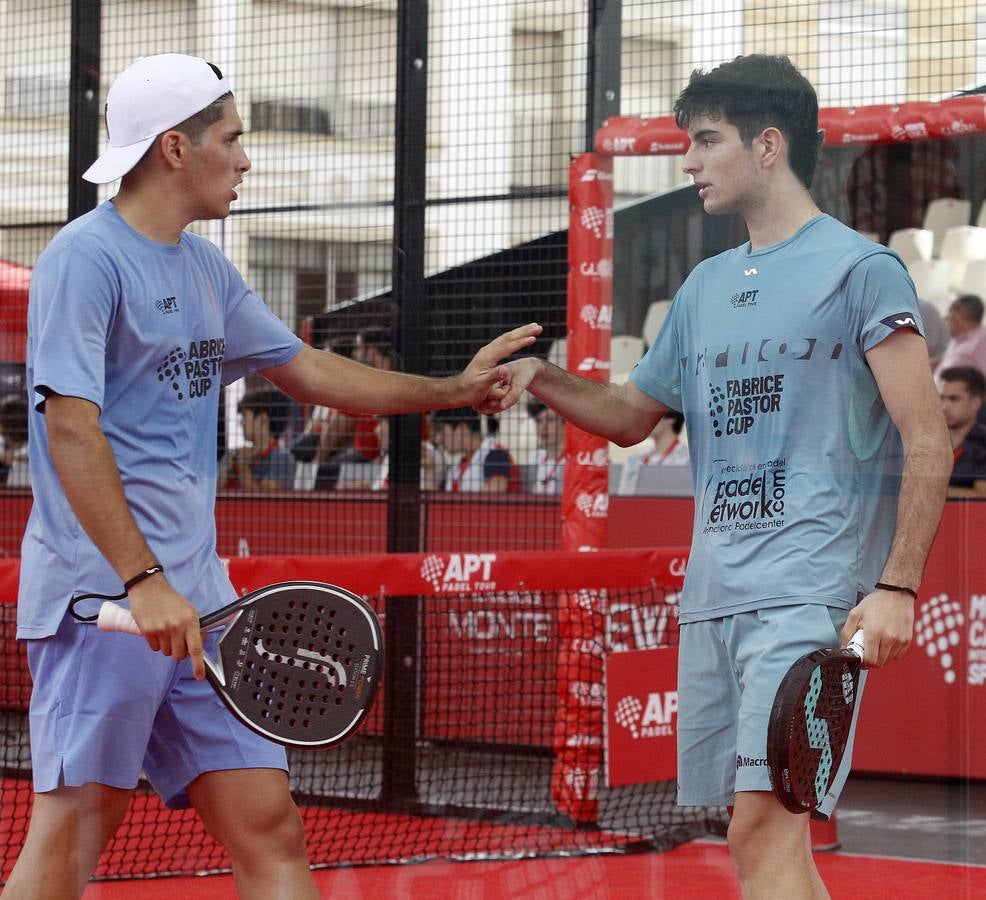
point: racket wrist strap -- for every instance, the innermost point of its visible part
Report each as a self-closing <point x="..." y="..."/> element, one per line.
<point x="142" y="576"/>
<point x="883" y="586"/>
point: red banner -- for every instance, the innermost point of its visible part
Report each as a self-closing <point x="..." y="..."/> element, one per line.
<point x="585" y="498"/>
<point x="641" y="716"/>
<point x="859" y="125"/>
<point x="578" y="733"/>
<point x="444" y="574"/>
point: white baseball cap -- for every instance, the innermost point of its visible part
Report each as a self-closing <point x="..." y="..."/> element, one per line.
<point x="147" y="98"/>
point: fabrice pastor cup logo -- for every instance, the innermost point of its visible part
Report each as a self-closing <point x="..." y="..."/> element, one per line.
<point x="736" y="407"/>
<point x="192" y="371"/>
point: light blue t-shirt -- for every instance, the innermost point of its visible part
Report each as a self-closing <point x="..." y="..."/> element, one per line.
<point x="149" y="333"/>
<point x="796" y="462"/>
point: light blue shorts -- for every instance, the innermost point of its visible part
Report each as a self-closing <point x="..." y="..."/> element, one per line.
<point x="105" y="707"/>
<point x="728" y="673"/>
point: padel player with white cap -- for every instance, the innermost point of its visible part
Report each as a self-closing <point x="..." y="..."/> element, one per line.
<point x="134" y="326"/>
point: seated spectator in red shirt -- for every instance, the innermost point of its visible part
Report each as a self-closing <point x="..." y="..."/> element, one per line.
<point x="483" y="465"/>
<point x="265" y="465"/>
<point x="549" y="457"/>
<point x="348" y="438"/>
<point x="967" y="345"/>
<point x="962" y="391"/>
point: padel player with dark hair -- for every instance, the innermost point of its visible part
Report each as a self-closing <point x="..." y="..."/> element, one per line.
<point x="134" y="326"/>
<point x="819" y="452"/>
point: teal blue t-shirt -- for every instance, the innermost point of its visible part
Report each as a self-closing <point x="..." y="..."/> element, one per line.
<point x="795" y="460"/>
<point x="149" y="333"/>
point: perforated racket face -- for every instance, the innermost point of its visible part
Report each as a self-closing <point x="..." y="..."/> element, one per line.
<point x="300" y="663"/>
<point x="809" y="726"/>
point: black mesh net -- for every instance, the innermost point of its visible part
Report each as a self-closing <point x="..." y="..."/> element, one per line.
<point x="466" y="754"/>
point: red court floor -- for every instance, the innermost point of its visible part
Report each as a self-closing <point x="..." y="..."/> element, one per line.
<point x="693" y="871"/>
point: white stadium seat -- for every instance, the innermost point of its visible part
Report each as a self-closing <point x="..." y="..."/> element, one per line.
<point x="625" y="351"/>
<point x="912" y="243"/>
<point x="930" y="277"/>
<point x="974" y="279"/>
<point x="942" y="214"/>
<point x="656" y="314"/>
<point x="961" y="245"/>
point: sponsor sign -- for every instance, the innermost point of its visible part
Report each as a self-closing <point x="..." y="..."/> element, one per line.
<point x="590" y="322"/>
<point x="641" y="716"/>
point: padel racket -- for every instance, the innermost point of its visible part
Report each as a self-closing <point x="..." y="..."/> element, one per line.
<point x="810" y="724"/>
<point x="298" y="662"/>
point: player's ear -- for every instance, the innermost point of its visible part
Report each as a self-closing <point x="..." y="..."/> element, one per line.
<point x="769" y="146"/>
<point x="173" y="147"/>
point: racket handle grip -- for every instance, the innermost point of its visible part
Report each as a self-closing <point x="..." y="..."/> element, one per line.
<point x="113" y="617"/>
<point x="856" y="644"/>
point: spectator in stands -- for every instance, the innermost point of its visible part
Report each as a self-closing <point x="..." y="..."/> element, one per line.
<point x="13" y="427"/>
<point x="434" y="463"/>
<point x="483" y="465"/>
<point x="935" y="331"/>
<point x="264" y="465"/>
<point x="354" y="438"/>
<point x="963" y="389"/>
<point x="548" y="460"/>
<point x="668" y="448"/>
<point x="967" y="345"/>
<point x="305" y="448"/>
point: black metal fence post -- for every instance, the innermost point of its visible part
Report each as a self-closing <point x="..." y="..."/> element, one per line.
<point x="411" y="349"/>
<point x="603" y="65"/>
<point x="84" y="112"/>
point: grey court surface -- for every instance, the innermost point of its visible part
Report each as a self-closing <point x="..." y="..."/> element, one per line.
<point x="917" y="819"/>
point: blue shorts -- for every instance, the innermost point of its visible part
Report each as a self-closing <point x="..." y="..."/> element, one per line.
<point x="105" y="707"/>
<point x="728" y="673"/>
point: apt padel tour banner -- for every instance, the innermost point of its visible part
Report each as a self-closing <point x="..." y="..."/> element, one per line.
<point x="860" y="125"/>
<point x="641" y="716"/>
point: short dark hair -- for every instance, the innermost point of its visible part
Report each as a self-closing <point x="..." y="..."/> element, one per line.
<point x="194" y="127"/>
<point x="454" y="417"/>
<point x="971" y="306"/>
<point x="13" y="419"/>
<point x="677" y="420"/>
<point x="970" y="376"/>
<point x="378" y="338"/>
<point x="269" y="401"/>
<point x="753" y="93"/>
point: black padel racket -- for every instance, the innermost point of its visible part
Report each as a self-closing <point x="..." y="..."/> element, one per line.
<point x="298" y="662"/>
<point x="810" y="724"/>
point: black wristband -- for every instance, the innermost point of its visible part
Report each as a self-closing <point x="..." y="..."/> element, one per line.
<point x="147" y="573"/>
<point x="896" y="587"/>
